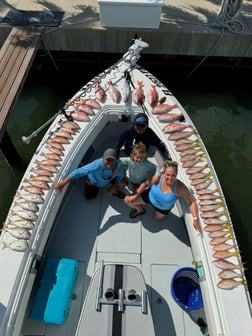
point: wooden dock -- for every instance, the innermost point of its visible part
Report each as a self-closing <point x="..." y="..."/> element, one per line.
<point x="16" y="57"/>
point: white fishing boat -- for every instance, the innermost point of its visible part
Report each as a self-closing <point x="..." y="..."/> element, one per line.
<point x="72" y="267"/>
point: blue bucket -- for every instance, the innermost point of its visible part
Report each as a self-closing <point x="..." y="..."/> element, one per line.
<point x="185" y="289"/>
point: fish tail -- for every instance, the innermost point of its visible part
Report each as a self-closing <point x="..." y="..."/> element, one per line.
<point x="236" y="246"/>
<point x="196" y="142"/>
<point x="230" y="235"/>
<point x="228" y="227"/>
<point x="5" y="226"/>
<point x="242" y="281"/>
<point x="17" y="194"/>
<point x="4" y="245"/>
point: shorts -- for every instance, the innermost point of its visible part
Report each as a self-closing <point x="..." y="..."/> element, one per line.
<point x="146" y="199"/>
<point x="91" y="191"/>
<point x="135" y="186"/>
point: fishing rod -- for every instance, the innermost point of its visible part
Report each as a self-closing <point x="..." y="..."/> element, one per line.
<point x="27" y="139"/>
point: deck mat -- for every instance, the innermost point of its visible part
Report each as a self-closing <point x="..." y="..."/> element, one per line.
<point x="33" y="18"/>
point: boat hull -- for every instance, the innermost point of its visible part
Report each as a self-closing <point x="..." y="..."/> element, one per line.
<point x="67" y="226"/>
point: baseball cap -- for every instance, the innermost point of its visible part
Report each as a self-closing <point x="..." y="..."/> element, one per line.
<point x="141" y="118"/>
<point x="109" y="154"/>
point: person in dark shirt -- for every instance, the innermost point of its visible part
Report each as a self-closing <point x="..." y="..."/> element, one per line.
<point x="140" y="132"/>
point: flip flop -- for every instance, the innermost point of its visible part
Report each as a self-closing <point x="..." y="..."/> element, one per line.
<point x="119" y="194"/>
<point x="134" y="213"/>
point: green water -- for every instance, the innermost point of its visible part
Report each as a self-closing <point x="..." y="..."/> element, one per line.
<point x="222" y="113"/>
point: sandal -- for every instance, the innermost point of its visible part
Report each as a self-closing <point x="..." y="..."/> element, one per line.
<point x="134" y="213"/>
<point x="119" y="194"/>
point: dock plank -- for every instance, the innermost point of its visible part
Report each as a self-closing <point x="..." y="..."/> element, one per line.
<point x="16" y="56"/>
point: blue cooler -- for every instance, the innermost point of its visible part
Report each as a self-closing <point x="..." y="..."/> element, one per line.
<point x="53" y="297"/>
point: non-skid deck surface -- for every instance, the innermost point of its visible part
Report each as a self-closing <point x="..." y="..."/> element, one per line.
<point x="118" y="315"/>
<point x="158" y="248"/>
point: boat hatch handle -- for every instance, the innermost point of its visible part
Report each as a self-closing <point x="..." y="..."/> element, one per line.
<point x="132" y="299"/>
<point x="99" y="288"/>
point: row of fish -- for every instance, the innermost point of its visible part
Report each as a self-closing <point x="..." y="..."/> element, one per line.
<point x="83" y="108"/>
<point x="137" y="95"/>
<point x="30" y="196"/>
<point x="211" y="202"/>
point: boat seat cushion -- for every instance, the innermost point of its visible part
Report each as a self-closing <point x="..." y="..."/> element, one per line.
<point x="54" y="293"/>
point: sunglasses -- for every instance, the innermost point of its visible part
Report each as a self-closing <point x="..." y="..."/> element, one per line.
<point x="140" y="125"/>
<point x="171" y="165"/>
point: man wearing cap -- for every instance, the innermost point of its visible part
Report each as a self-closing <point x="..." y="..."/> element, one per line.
<point x="140" y="132"/>
<point x="99" y="173"/>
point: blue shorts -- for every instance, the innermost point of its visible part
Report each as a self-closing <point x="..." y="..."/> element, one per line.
<point x="146" y="199"/>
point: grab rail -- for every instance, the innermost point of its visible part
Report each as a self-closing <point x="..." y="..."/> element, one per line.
<point x="133" y="299"/>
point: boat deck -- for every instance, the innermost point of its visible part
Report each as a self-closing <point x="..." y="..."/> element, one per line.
<point x="115" y="238"/>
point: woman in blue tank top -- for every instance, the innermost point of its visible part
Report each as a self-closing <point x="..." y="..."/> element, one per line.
<point x="162" y="194"/>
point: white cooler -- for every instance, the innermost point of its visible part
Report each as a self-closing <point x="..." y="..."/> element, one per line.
<point x="130" y="13"/>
